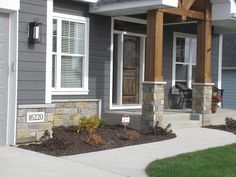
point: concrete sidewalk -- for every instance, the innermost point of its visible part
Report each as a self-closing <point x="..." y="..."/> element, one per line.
<point x="123" y="162"/>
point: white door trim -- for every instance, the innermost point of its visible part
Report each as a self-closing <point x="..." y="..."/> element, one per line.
<point x="120" y="69"/>
<point x="12" y="77"/>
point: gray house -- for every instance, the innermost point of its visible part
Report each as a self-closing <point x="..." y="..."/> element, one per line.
<point x="91" y="58"/>
<point x="229" y="70"/>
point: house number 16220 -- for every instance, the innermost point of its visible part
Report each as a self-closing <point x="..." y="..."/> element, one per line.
<point x="35" y="117"/>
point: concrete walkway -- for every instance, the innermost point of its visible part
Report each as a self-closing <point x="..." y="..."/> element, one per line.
<point x="123" y="162"/>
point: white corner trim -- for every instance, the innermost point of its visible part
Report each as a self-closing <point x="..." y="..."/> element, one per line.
<point x="220" y="54"/>
<point x="13" y="75"/>
<point x="111" y="62"/>
<point x="48" y="79"/>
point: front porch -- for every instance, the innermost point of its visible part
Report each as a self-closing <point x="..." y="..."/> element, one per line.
<point x="179" y="119"/>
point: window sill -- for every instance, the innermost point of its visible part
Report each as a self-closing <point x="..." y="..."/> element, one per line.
<point x="86" y="92"/>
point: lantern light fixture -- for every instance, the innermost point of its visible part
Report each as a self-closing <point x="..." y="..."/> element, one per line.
<point x="34" y="31"/>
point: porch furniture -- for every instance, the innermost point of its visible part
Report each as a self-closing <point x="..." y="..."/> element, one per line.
<point x="178" y="95"/>
<point x="174" y="99"/>
<point x="218" y="92"/>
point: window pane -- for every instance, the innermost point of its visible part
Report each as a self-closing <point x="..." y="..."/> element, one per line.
<point x="53" y="71"/>
<point x="73" y="37"/>
<point x="181" y="72"/>
<point x="54" y="36"/>
<point x="71" y="72"/>
<point x="182" y="49"/>
<point x="115" y="70"/>
<point x="193" y="72"/>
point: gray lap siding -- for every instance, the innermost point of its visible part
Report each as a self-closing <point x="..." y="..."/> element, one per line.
<point x="32" y="58"/>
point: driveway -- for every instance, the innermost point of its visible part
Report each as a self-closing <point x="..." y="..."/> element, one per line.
<point x="124" y="162"/>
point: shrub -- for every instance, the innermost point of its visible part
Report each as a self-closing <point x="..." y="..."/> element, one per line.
<point x="46" y="136"/>
<point x="230" y="124"/>
<point x="88" y="125"/>
<point x="132" y="135"/>
<point x="161" y="131"/>
<point x="95" y="139"/>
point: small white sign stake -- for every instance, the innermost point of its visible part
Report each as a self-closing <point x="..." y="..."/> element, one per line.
<point x="125" y="121"/>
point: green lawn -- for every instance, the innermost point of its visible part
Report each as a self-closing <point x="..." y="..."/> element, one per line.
<point x="216" y="162"/>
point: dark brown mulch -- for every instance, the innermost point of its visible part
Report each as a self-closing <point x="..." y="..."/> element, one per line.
<point x="67" y="142"/>
<point x="221" y="127"/>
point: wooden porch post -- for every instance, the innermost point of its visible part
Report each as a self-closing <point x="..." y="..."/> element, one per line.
<point x="153" y="87"/>
<point x="153" y="67"/>
<point x="204" y="38"/>
<point x="202" y="88"/>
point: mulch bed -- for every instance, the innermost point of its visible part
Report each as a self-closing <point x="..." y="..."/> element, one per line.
<point x="66" y="141"/>
<point x="221" y="127"/>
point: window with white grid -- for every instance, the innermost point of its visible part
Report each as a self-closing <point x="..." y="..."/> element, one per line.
<point x="70" y="54"/>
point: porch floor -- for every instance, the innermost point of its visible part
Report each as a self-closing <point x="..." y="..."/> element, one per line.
<point x="178" y="119"/>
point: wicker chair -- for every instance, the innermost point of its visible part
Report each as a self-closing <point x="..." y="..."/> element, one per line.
<point x="178" y="95"/>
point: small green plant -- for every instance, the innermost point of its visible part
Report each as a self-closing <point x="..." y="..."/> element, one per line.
<point x="88" y="125"/>
<point x="46" y="136"/>
<point x="157" y="130"/>
<point x="132" y="135"/>
<point x="95" y="139"/>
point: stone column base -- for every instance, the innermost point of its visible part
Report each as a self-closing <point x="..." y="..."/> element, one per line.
<point x="202" y="97"/>
<point x="153" y="104"/>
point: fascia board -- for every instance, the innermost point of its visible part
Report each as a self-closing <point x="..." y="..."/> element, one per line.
<point x="133" y="5"/>
<point x="10" y="5"/>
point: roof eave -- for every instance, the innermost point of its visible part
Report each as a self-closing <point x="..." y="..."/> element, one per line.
<point x="134" y="7"/>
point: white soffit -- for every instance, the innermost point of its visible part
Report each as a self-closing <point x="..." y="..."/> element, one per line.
<point x="132" y="7"/>
<point x="223" y="9"/>
<point x="10" y="5"/>
<point x="224" y="15"/>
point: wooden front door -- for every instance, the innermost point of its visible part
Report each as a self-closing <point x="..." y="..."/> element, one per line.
<point x="131" y="70"/>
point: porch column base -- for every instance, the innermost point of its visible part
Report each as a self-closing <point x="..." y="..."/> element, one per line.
<point x="202" y="97"/>
<point x="153" y="104"/>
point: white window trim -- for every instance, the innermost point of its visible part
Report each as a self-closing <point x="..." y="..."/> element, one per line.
<point x="48" y="79"/>
<point x="120" y="65"/>
<point x="183" y="35"/>
<point x="74" y="91"/>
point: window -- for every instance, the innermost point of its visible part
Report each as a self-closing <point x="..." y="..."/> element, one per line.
<point x="70" y="54"/>
<point x="184" y="63"/>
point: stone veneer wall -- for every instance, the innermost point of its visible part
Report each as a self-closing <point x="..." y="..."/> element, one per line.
<point x="202" y="100"/>
<point x="60" y="113"/>
<point x="153" y="104"/>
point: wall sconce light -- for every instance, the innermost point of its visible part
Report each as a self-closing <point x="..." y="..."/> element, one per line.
<point x="34" y="32"/>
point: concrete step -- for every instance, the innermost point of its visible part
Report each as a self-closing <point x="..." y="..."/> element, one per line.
<point x="177" y="120"/>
